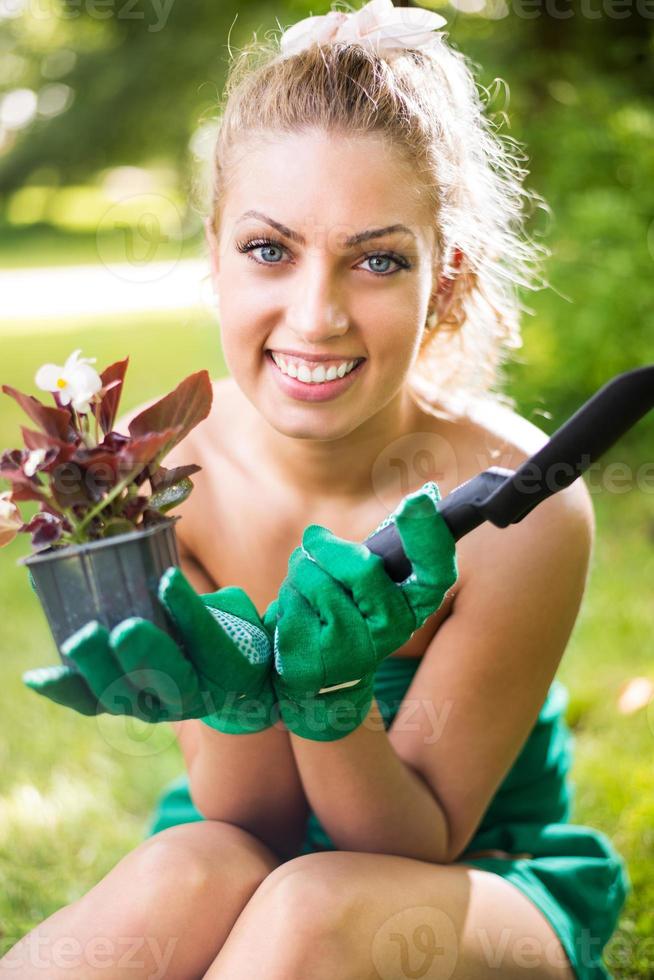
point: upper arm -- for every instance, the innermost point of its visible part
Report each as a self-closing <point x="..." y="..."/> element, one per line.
<point x="488" y="668"/>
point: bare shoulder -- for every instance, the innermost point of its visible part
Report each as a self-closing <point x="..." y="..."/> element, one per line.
<point x="514" y="438"/>
<point x="495" y="435"/>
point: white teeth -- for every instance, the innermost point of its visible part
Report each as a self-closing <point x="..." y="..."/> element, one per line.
<point x="314" y="375"/>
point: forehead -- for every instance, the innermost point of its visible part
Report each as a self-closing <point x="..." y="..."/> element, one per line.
<point x="327" y="180"/>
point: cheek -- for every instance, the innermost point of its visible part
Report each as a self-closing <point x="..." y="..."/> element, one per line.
<point x="243" y="327"/>
<point x="242" y="349"/>
<point x="394" y="349"/>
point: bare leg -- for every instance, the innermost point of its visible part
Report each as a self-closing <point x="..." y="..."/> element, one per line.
<point x="163" y="911"/>
<point x="360" y="916"/>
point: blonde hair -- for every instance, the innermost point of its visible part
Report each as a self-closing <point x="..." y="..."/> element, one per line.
<point x="428" y="105"/>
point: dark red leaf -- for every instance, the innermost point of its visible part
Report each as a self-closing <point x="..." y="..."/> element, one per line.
<point x="54" y="421"/>
<point x="134" y="508"/>
<point x="12" y="459"/>
<point x="143" y="450"/>
<point x="48" y="509"/>
<point x="98" y="454"/>
<point x="45" y="528"/>
<point x="69" y="485"/>
<point x="181" y="409"/>
<point x="163" y="477"/>
<point x="112" y="382"/>
<point x="114" y="441"/>
<point x="86" y="477"/>
<point x="24" y="487"/>
<point x="39" y="440"/>
<point x="26" y="491"/>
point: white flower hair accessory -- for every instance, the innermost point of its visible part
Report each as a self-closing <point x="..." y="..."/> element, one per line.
<point x="378" y="25"/>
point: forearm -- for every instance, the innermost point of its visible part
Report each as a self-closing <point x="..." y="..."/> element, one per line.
<point x="249" y="780"/>
<point x="365" y="796"/>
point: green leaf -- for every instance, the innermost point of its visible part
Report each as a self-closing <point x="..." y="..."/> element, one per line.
<point x="172" y="496"/>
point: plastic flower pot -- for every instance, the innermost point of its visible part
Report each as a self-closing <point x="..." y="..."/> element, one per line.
<point x="106" y="580"/>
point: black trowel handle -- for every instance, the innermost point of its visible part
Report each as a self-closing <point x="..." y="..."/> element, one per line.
<point x="505" y="497"/>
<point x="461" y="511"/>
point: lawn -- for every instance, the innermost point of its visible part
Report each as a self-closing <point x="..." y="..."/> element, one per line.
<point x="76" y="793"/>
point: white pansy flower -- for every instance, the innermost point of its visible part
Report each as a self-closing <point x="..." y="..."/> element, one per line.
<point x="10" y="520"/>
<point x="379" y="25"/>
<point x="76" y="382"/>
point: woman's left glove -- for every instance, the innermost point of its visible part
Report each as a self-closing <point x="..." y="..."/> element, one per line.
<point x="221" y="672"/>
<point x="339" y="614"/>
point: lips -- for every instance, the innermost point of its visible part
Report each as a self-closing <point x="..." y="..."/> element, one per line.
<point x="313" y="391"/>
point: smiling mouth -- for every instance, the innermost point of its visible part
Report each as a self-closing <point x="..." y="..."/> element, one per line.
<point x="311" y="372"/>
<point x="314" y="390"/>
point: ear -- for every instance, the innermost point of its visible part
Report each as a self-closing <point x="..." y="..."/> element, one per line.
<point x="442" y="300"/>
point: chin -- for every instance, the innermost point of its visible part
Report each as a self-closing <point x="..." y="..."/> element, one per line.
<point x="299" y="425"/>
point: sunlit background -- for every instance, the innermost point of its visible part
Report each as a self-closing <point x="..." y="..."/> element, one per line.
<point x="107" y="111"/>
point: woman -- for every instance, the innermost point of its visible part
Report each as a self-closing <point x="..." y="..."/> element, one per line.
<point x="437" y="842"/>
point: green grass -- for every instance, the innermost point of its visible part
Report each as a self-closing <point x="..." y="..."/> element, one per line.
<point x="73" y="796"/>
<point x="613" y="772"/>
<point x="163" y="349"/>
<point x="72" y="800"/>
<point x="44" y="244"/>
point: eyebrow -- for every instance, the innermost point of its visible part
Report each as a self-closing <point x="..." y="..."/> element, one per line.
<point x="295" y="236"/>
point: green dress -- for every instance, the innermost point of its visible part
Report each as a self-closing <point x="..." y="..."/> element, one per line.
<point x="573" y="874"/>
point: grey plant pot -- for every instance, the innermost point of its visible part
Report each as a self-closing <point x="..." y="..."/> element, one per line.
<point x="107" y="580"/>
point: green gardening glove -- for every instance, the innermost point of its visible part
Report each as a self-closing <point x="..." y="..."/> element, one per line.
<point x="339" y="614"/>
<point x="222" y="674"/>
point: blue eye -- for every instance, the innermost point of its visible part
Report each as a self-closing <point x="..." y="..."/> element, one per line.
<point x="269" y="243"/>
<point x="259" y="243"/>
<point x="384" y="258"/>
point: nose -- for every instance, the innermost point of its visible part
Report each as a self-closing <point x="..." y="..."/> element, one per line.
<point x="318" y="314"/>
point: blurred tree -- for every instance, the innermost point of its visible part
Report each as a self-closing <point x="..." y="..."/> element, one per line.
<point x="141" y="76"/>
<point x="132" y="79"/>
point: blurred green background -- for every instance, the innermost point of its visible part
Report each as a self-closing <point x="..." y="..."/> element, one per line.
<point x="106" y="116"/>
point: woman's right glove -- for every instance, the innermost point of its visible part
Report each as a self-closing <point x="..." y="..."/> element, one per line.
<point x="222" y="675"/>
<point x="339" y="615"/>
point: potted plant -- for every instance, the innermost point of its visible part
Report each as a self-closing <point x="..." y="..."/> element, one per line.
<point x="102" y="536"/>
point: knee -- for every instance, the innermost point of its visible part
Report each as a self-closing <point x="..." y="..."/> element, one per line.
<point x="303" y="905"/>
<point x="172" y="862"/>
<point x="199" y="860"/>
